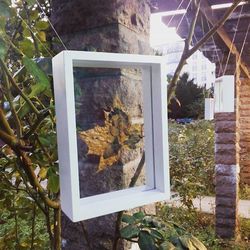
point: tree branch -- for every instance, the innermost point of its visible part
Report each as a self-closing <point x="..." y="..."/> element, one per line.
<point x="215" y="28"/>
<point x="188" y="52"/>
<point x="13" y="82"/>
<point x="4" y="124"/>
<point x="173" y="84"/>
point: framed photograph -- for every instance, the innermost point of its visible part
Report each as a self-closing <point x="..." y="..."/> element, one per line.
<point x="89" y="150"/>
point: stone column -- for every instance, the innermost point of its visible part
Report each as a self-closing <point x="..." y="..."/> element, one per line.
<point x="243" y="96"/>
<point x="226" y="174"/>
<point x="107" y="26"/>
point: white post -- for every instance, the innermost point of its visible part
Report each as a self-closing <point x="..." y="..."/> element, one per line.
<point x="209" y="109"/>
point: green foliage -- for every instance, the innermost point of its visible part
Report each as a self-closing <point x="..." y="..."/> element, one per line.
<point x="188" y="101"/>
<point x="191" y="152"/>
<point x="16" y="218"/>
<point x="26" y="217"/>
<point x="202" y="226"/>
<point x="152" y="233"/>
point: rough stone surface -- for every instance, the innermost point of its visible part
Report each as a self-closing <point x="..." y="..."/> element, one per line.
<point x="243" y="96"/>
<point x="226" y="174"/>
<point x="225" y="138"/>
<point x="225" y="126"/>
<point x="226" y="232"/>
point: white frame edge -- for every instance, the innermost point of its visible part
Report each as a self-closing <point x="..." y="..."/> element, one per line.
<point x="157" y="186"/>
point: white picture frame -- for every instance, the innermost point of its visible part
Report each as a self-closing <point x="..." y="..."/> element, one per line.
<point x="224" y="92"/>
<point x="154" y="84"/>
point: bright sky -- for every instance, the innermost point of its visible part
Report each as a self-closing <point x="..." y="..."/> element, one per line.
<point x="160" y="33"/>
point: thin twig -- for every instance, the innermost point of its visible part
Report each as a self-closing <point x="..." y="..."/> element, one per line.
<point x="215" y="28"/>
<point x="33" y="227"/>
<point x="188" y="52"/>
<point x="13" y="82"/>
<point x="12" y="108"/>
<point x="173" y="83"/>
<point x="57" y="228"/>
<point x="48" y="224"/>
<point x="4" y="124"/>
<point x="37" y="53"/>
<point x="120" y="214"/>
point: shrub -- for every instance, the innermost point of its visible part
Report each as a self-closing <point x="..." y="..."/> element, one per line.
<point x="191" y="152"/>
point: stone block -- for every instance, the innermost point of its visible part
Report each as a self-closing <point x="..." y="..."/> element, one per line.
<point x="225" y="149"/>
<point x="225" y="138"/>
<point x="227" y="191"/>
<point x="225" y="180"/>
<point x="222" y="222"/>
<point x="226" y="170"/>
<point x="225" y="116"/>
<point x="226" y="158"/>
<point x="225" y="232"/>
<point x="221" y="201"/>
<point x="225" y="212"/>
<point x="225" y="126"/>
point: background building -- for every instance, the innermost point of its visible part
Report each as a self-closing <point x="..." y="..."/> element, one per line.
<point x="198" y="66"/>
<point x="166" y="41"/>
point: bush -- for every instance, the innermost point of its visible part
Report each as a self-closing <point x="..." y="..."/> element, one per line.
<point x="191" y="154"/>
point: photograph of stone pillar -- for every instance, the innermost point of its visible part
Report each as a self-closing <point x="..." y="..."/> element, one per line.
<point x="109" y="128"/>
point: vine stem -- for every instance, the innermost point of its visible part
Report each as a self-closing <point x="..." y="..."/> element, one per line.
<point x="120" y="214"/>
<point x="57" y="228"/>
<point x="12" y="108"/>
<point x="13" y="82"/>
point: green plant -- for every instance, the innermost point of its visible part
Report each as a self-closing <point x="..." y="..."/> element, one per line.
<point x="191" y="153"/>
<point x="188" y="101"/>
<point x="202" y="226"/>
<point x="151" y="232"/>
<point x="29" y="181"/>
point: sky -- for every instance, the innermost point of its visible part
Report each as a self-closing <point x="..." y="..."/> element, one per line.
<point x="160" y="33"/>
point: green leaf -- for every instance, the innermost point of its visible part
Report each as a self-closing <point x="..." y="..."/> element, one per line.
<point x="27" y="47"/>
<point x="44" y="141"/>
<point x="139" y="215"/>
<point x="197" y="243"/>
<point x="156" y="234"/>
<point x="2" y="24"/>
<point x="53" y="182"/>
<point x="31" y="2"/>
<point x="3" y="48"/>
<point x="43" y="173"/>
<point x="42" y="81"/>
<point x="4" y="8"/>
<point x="129" y="232"/>
<point x="42" y="36"/>
<point x="146" y="241"/>
<point x="42" y="25"/>
<point x="166" y="245"/>
<point x="186" y="242"/>
<point x="128" y="219"/>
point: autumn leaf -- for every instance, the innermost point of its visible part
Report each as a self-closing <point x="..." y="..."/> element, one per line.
<point x="107" y="141"/>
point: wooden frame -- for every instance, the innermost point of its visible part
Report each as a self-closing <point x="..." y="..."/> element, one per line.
<point x="157" y="186"/>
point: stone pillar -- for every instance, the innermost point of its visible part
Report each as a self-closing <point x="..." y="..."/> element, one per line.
<point x="109" y="26"/>
<point x="243" y="96"/>
<point x="226" y="174"/>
